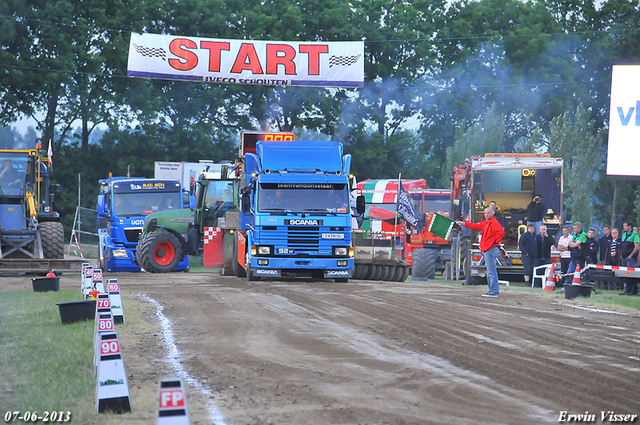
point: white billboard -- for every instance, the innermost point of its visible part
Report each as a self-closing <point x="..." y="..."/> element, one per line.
<point x="252" y="62"/>
<point x="624" y="122"/>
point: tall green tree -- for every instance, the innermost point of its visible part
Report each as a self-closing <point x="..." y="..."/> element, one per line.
<point x="574" y="138"/>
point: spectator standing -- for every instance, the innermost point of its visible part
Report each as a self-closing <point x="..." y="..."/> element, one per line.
<point x="563" y="247"/>
<point x="630" y="247"/>
<point x="537" y="211"/>
<point x="492" y="234"/>
<point x="529" y="249"/>
<point x="544" y="242"/>
<point x="592" y="247"/>
<point x="578" y="247"/>
<point x="604" y="243"/>
<point x="612" y="256"/>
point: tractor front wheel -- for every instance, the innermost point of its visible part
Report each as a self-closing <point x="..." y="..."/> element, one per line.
<point x="159" y="252"/>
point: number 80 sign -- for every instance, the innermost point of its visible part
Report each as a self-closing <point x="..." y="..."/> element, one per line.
<point x="105" y="324"/>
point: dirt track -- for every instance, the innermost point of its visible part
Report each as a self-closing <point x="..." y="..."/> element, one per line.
<point x="315" y="352"/>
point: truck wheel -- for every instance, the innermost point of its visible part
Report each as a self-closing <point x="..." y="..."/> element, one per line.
<point x="379" y="272"/>
<point x="362" y="269"/>
<point x="405" y="274"/>
<point x="159" y="252"/>
<point x="424" y="264"/>
<point x="52" y="236"/>
<point x="373" y="269"/>
<point x="250" y="276"/>
<point x="391" y="273"/>
<point x="238" y="270"/>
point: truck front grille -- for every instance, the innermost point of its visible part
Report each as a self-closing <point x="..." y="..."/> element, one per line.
<point x="132" y="235"/>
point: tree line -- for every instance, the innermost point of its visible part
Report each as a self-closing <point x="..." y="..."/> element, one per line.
<point x="443" y="81"/>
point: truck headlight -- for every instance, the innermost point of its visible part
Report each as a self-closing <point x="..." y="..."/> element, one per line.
<point x="340" y="251"/>
<point x="264" y="250"/>
<point x="122" y="253"/>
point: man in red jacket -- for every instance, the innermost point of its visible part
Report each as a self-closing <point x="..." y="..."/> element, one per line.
<point x="492" y="234"/>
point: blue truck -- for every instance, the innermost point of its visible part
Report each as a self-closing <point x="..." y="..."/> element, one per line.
<point x="295" y="215"/>
<point x="123" y="204"/>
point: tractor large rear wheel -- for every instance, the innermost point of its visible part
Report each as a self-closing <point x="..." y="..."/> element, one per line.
<point x="159" y="252"/>
<point x="52" y="234"/>
<point x="424" y="264"/>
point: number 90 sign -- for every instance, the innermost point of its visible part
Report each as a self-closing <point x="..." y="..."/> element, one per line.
<point x="109" y="347"/>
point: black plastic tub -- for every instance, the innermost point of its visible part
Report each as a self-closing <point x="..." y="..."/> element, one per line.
<point x="574" y="291"/>
<point x="77" y="311"/>
<point x="44" y="284"/>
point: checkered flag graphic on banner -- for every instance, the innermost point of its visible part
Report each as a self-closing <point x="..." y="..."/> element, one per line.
<point x="343" y="60"/>
<point x="153" y="52"/>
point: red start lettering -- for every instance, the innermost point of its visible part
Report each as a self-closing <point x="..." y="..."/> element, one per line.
<point x="188" y="60"/>
<point x="214" y="48"/>
<point x="247" y="59"/>
<point x="314" y="50"/>
<point x="280" y="54"/>
<point x="277" y="55"/>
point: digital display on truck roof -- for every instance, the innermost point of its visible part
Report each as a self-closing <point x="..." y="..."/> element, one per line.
<point x="143" y="186"/>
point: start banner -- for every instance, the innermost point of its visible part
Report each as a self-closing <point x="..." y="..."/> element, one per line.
<point x="251" y="62"/>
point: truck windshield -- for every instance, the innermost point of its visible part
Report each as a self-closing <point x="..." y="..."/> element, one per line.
<point x="297" y="198"/>
<point x="431" y="203"/>
<point x="142" y="204"/>
<point x="12" y="173"/>
<point x="219" y="192"/>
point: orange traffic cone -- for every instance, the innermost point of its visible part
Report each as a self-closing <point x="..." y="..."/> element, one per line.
<point x="551" y="280"/>
<point x="576" y="276"/>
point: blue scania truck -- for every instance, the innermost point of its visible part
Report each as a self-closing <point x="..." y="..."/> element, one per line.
<point x="123" y="204"/>
<point x="295" y="218"/>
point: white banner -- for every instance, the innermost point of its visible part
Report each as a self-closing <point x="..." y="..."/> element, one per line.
<point x="265" y="63"/>
<point x="624" y="122"/>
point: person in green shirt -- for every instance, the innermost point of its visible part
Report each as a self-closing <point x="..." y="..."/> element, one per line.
<point x="578" y="247"/>
<point x="629" y="250"/>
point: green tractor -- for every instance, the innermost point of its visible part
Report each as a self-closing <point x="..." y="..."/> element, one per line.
<point x="204" y="231"/>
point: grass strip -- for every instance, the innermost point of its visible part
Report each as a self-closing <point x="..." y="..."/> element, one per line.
<point x="46" y="366"/>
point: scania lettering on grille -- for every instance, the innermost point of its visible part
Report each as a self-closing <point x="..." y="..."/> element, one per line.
<point x="303" y="222"/>
<point x="334" y="273"/>
<point x="266" y="272"/>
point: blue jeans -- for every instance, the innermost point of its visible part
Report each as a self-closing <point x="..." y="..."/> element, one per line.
<point x="572" y="268"/>
<point x="491" y="261"/>
<point x="628" y="262"/>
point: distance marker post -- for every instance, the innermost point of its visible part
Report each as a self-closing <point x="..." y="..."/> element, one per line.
<point x="87" y="281"/>
<point x="113" y="289"/>
<point x="97" y="280"/>
<point x="173" y="408"/>
<point x="104" y="324"/>
<point x="112" y="388"/>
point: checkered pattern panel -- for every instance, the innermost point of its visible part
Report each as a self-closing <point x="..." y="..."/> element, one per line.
<point x="153" y="52"/>
<point x="210" y="233"/>
<point x="343" y="60"/>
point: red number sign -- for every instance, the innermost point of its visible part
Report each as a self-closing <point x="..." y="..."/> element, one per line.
<point x="171" y="398"/>
<point x="105" y="324"/>
<point x="109" y="347"/>
<point x="104" y="303"/>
